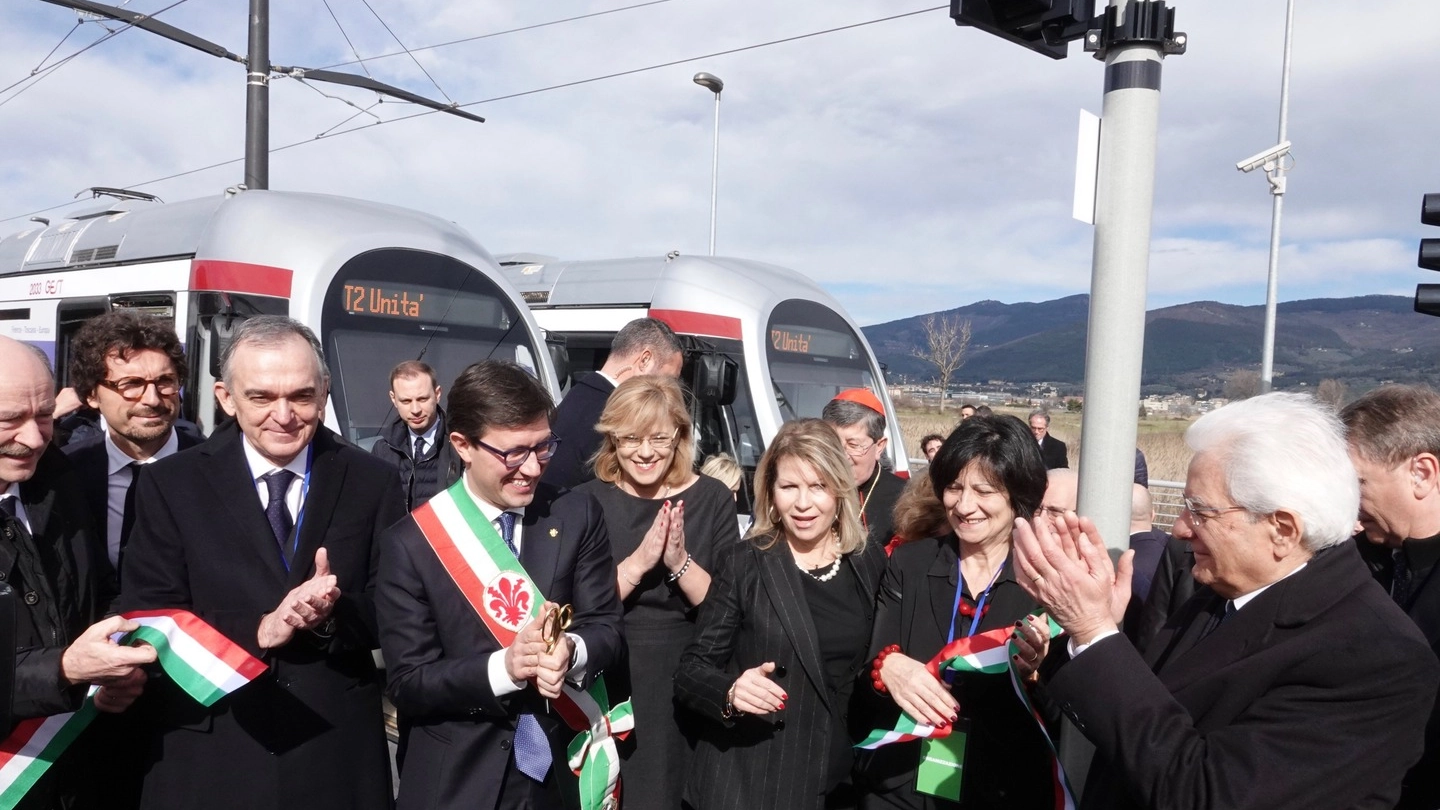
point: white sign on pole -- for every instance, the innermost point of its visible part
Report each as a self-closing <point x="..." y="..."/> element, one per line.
<point x="1087" y="165"/>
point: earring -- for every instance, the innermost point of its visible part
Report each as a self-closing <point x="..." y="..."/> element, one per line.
<point x="773" y="514"/>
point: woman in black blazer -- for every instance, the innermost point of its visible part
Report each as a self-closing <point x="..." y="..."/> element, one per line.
<point x="783" y="635"/>
<point x="987" y="473"/>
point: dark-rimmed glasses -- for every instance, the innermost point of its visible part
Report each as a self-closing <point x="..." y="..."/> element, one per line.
<point x="133" y="388"/>
<point x="516" y="456"/>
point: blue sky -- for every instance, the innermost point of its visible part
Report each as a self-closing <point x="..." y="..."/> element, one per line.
<point x="908" y="165"/>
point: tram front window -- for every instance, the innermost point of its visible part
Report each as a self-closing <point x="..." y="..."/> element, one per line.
<point x="389" y="306"/>
<point x="813" y="355"/>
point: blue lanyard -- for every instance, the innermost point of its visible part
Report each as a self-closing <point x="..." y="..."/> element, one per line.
<point x="979" y="603"/>
<point x="304" y="501"/>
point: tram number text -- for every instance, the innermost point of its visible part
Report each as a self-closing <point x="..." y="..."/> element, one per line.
<point x="365" y="300"/>
<point x="50" y="286"/>
<point x="786" y="341"/>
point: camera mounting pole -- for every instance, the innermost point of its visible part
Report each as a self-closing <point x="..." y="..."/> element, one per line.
<point x="257" y="76"/>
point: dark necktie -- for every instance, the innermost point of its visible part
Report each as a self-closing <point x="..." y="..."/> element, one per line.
<point x="127" y="518"/>
<point x="419" y="448"/>
<point x="12" y="518"/>
<point x="1403" y="578"/>
<point x="278" y="482"/>
<point x="532" y="749"/>
<point x="1218" y="617"/>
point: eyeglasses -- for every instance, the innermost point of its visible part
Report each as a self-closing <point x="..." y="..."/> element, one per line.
<point x="659" y="441"/>
<point x="516" y="456"/>
<point x="1199" y="512"/>
<point x="134" y="388"/>
<point x="1053" y="511"/>
<point x="856" y="450"/>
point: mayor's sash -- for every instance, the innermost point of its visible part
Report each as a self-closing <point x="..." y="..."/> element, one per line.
<point x="505" y="598"/>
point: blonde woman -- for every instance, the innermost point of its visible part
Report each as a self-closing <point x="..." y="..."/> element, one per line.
<point x="791" y="611"/>
<point x="665" y="523"/>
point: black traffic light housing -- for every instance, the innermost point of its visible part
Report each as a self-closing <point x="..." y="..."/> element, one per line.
<point x="1427" y="296"/>
<point x="1043" y="26"/>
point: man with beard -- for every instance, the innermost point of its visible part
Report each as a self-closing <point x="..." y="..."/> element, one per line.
<point x="56" y="564"/>
<point x="130" y="367"/>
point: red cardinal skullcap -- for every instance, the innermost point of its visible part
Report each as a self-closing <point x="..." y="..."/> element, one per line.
<point x="862" y="396"/>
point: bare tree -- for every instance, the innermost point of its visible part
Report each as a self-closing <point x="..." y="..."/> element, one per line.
<point x="1331" y="392"/>
<point x="1243" y="384"/>
<point x="947" y="340"/>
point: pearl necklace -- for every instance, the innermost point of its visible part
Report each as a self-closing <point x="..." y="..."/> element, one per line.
<point x="834" y="567"/>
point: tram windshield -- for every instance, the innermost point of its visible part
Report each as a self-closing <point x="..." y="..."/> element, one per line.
<point x="388" y="306"/>
<point x="813" y="355"/>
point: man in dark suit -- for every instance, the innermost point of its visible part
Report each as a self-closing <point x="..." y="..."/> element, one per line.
<point x="1396" y="451"/>
<point x="472" y="691"/>
<point x="52" y="558"/>
<point x="858" y="417"/>
<point x="642" y="346"/>
<point x="268" y="532"/>
<point x="130" y="367"/>
<point x="413" y="439"/>
<point x="1147" y="540"/>
<point x="1290" y="679"/>
<point x="1052" y="450"/>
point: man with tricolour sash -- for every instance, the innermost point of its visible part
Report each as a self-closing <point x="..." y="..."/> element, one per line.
<point x="498" y="616"/>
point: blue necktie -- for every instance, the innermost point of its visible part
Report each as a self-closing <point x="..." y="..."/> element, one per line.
<point x="278" y="482"/>
<point x="532" y="748"/>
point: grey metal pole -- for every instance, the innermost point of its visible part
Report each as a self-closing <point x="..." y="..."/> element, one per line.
<point x="1125" y="189"/>
<point x="1277" y="191"/>
<point x="715" y="174"/>
<point x="257" y="98"/>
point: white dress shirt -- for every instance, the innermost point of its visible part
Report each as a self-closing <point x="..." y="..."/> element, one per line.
<point x="118" y="475"/>
<point x="13" y="491"/>
<point x="428" y="436"/>
<point x="500" y="682"/>
<point x="261" y="467"/>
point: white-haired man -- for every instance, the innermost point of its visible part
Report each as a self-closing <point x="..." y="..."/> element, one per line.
<point x="1290" y="679"/>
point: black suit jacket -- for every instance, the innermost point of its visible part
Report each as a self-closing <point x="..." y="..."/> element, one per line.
<point x="1007" y="761"/>
<point x="1053" y="451"/>
<point x="1171" y="586"/>
<point x="91" y="461"/>
<point x="437" y="650"/>
<point x="309" y="731"/>
<point x="1313" y="695"/>
<point x="1421" y="790"/>
<point x="574" y="423"/>
<point x="756" y="612"/>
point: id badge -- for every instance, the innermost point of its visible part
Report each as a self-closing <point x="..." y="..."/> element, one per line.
<point x="942" y="764"/>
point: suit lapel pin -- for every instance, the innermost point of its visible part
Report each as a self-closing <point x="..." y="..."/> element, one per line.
<point x="554" y="532"/>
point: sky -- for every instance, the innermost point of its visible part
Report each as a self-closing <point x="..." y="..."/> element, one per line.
<point x="907" y="165"/>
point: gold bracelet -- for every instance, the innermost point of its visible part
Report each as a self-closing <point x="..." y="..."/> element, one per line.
<point x="621" y="570"/>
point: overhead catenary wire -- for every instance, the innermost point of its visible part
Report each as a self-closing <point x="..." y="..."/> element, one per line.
<point x="346" y="35"/>
<point x="520" y="94"/>
<point x="407" y="51"/>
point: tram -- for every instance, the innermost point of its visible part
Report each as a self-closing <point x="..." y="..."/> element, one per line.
<point x="378" y="284"/>
<point x="764" y="344"/>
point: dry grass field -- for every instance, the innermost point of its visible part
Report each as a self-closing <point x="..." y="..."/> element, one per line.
<point x="1162" y="440"/>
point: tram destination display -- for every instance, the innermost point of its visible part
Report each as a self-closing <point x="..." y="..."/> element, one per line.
<point x="416" y="302"/>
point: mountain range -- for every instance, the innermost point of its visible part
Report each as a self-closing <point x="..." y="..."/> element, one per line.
<point x="1362" y="341"/>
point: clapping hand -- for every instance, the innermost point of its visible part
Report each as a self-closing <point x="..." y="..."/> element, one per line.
<point x="675" y="554"/>
<point x="304" y="608"/>
<point x="1067" y="569"/>
<point x="754" y="693"/>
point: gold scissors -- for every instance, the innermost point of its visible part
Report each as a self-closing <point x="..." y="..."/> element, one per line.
<point x="557" y="621"/>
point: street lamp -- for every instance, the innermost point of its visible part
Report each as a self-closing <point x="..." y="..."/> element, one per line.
<point x="712" y="83"/>
<point x="1273" y="161"/>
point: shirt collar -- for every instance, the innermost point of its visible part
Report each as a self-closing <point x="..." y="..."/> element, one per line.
<point x="428" y="435"/>
<point x="614" y="382"/>
<point x="259" y="465"/>
<point x="490" y="511"/>
<point x="118" y="460"/>
<point x="13" y="489"/>
<point x="1245" y="599"/>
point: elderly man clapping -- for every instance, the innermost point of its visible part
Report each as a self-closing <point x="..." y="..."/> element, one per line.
<point x="1290" y="679"/>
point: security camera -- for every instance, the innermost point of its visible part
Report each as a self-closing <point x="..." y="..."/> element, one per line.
<point x="1264" y="159"/>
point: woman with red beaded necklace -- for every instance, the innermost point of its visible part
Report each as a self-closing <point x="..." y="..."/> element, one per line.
<point x="987" y="473"/>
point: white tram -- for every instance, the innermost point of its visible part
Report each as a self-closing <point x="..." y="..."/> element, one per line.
<point x="378" y="284"/>
<point x="764" y="344"/>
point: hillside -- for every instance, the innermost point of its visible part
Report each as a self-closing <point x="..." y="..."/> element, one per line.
<point x="1361" y="341"/>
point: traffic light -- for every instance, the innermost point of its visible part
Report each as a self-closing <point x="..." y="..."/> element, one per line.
<point x="1427" y="296"/>
<point x="1043" y="26"/>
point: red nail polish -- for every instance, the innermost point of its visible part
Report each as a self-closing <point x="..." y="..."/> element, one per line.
<point x="782" y="706"/>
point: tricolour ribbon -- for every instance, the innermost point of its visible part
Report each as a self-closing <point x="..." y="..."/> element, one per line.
<point x="203" y="663"/>
<point x="503" y="594"/>
<point x="988" y="653"/>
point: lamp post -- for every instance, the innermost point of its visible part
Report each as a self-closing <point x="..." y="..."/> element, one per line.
<point x="712" y="83"/>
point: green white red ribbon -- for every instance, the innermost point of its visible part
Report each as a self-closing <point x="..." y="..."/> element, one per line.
<point x="203" y="663"/>
<point x="505" y="597"/>
<point x="988" y="653"/>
